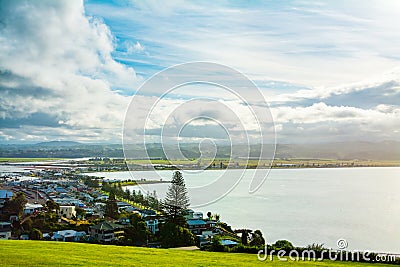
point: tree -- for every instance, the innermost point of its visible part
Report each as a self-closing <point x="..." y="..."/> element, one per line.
<point x="245" y="235"/>
<point x="176" y="201"/>
<point x="51" y="205"/>
<point x="173" y="235"/>
<point x="216" y="244"/>
<point x="111" y="209"/>
<point x="35" y="234"/>
<point x="283" y="245"/>
<point x="27" y="225"/>
<point x="80" y="213"/>
<point x="209" y="215"/>
<point x="257" y="239"/>
<point x="16" y="205"/>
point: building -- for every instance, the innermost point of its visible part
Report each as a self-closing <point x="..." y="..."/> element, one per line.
<point x="32" y="208"/>
<point x="107" y="231"/>
<point x="196" y="226"/>
<point x="4" y="196"/>
<point x="5" y="230"/>
<point x="68" y="212"/>
<point x="69" y="236"/>
<point x="152" y="223"/>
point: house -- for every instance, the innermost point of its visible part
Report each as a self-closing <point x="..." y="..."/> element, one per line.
<point x="4" y="196"/>
<point x="5" y="230"/>
<point x="210" y="224"/>
<point x="153" y="222"/>
<point x="69" y="236"/>
<point x="148" y="212"/>
<point x="191" y="214"/>
<point x="198" y="215"/>
<point x="32" y="208"/>
<point x="107" y="231"/>
<point x="67" y="211"/>
<point x="196" y="226"/>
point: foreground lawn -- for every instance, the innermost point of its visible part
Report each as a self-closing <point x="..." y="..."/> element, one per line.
<point x="42" y="253"/>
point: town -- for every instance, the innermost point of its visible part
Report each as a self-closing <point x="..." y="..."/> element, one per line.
<point x="62" y="203"/>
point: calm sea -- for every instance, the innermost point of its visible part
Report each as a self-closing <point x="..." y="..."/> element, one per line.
<point x="361" y="205"/>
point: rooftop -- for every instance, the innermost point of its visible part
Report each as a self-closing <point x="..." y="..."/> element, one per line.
<point x="107" y="226"/>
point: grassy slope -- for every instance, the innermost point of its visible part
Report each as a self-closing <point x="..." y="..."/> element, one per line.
<point x="40" y="253"/>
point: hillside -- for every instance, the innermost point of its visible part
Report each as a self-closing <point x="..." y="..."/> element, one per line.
<point x="385" y="150"/>
<point x="45" y="253"/>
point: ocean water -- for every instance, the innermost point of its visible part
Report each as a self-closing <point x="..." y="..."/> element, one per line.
<point x="305" y="206"/>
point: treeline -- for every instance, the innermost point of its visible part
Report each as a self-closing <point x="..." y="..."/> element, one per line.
<point x="149" y="200"/>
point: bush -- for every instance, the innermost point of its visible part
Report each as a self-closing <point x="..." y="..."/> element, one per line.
<point x="216" y="244"/>
<point x="283" y="245"/>
<point x="173" y="235"/>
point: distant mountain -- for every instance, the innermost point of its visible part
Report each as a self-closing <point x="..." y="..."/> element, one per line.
<point x="58" y="144"/>
<point x="385" y="150"/>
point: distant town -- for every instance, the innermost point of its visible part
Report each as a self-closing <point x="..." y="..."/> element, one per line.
<point x="57" y="201"/>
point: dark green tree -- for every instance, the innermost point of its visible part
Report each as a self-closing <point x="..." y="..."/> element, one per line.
<point x="177" y="200"/>
<point x="15" y="205"/>
<point x="137" y="232"/>
<point x="27" y="225"/>
<point x="111" y="209"/>
<point x="51" y="205"/>
<point x="257" y="239"/>
<point x="80" y="213"/>
<point x="283" y="245"/>
<point x="35" y="234"/>
<point x="216" y="244"/>
<point x="173" y="235"/>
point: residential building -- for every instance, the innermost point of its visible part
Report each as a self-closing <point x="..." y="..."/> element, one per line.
<point x="107" y="231"/>
<point x="68" y="212"/>
<point x="69" y="236"/>
<point x="32" y="208"/>
<point x="152" y="223"/>
<point x="4" y="196"/>
<point x="5" y="230"/>
<point x="196" y="226"/>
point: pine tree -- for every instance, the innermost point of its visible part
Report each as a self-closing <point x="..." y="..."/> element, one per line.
<point x="177" y="200"/>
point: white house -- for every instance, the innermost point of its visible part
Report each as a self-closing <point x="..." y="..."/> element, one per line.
<point x="67" y="211"/>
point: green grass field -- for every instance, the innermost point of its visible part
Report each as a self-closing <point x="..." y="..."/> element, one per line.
<point x="42" y="253"/>
<point x="16" y="160"/>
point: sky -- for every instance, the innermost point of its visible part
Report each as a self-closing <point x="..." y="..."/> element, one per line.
<point x="329" y="70"/>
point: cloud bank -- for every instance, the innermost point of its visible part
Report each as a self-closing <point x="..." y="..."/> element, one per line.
<point x="58" y="77"/>
<point x="330" y="71"/>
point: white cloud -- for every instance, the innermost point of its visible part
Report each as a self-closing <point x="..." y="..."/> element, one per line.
<point x="56" y="60"/>
<point x="315" y="44"/>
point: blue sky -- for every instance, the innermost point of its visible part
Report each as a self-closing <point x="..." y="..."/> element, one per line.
<point x="330" y="70"/>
